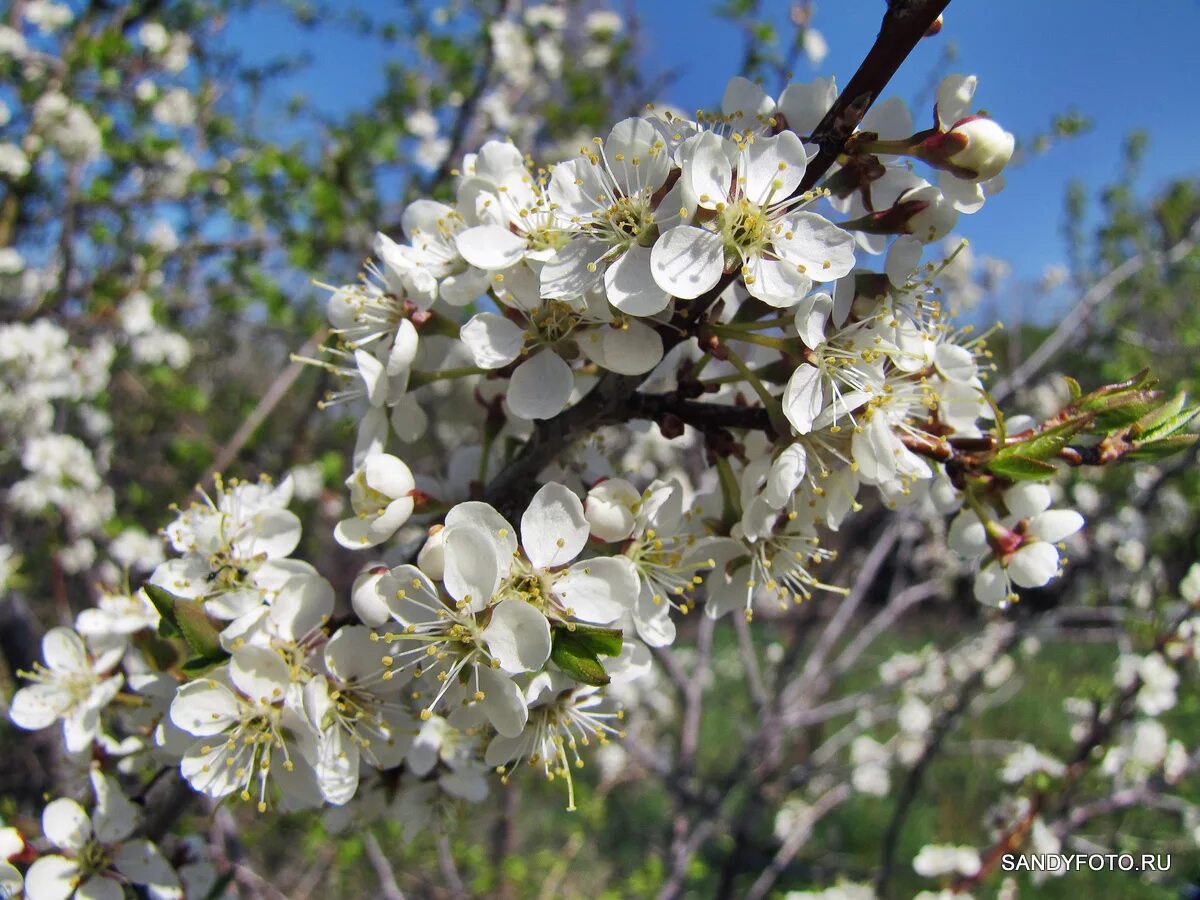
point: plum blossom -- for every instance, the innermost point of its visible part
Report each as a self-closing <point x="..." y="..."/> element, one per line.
<point x="757" y="231"/>
<point x="250" y="728"/>
<point x="73" y="685"/>
<point x="606" y="198"/>
<point x="564" y="719"/>
<point x="473" y="657"/>
<point x="381" y="495"/>
<point x="97" y="854"/>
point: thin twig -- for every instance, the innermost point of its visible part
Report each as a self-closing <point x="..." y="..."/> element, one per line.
<point x="449" y="868"/>
<point x="1070" y="330"/>
<point x="797" y="838"/>
<point x="388" y="888"/>
<point x="265" y="406"/>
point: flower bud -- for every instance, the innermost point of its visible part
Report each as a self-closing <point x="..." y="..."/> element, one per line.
<point x="934" y="216"/>
<point x="368" y="605"/>
<point x="985" y="150"/>
<point x="432" y="558"/>
<point x="609" y="509"/>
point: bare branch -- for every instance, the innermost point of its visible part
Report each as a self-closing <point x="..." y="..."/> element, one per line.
<point x="388" y="888"/>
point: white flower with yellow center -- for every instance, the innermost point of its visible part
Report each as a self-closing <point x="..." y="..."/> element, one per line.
<point x="548" y="333"/>
<point x="381" y="494"/>
<point x="564" y="718"/>
<point x="234" y="548"/>
<point x="98" y="857"/>
<point x="605" y="200"/>
<point x="748" y="222"/>
<point x="357" y="712"/>
<point x="429" y="267"/>
<point x="513" y="214"/>
<point x="483" y="560"/>
<point x="469" y="650"/>
<point x="72" y="685"/>
<point x="250" y="729"/>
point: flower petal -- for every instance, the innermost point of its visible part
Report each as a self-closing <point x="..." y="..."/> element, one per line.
<point x="1033" y="565"/>
<point x="502" y="702"/>
<point x="824" y="250"/>
<point x="142" y="863"/>
<point x="709" y="168"/>
<point x="64" y="651"/>
<point x="903" y="257"/>
<point x="114" y="817"/>
<point x="259" y="673"/>
<point x="598" y="590"/>
<point x="1055" y="525"/>
<point x="574" y="269"/>
<point x="38" y="706"/>
<point x="687" y="261"/>
<point x="805" y="105"/>
<point x="954" y="96"/>
<point x="518" y="636"/>
<point x="493" y="340"/>
<point x="803" y="398"/>
<point x="51" y="878"/>
<point x="490" y="247"/>
<point x="635" y="157"/>
<point x="773" y="167"/>
<point x="66" y="824"/>
<point x="204" y="708"/>
<point x="632" y="350"/>
<point x="540" y="387"/>
<point x="554" y="529"/>
<point x="100" y="887"/>
<point x="745" y="104"/>
<point x="472" y="569"/>
<point x="630" y="285"/>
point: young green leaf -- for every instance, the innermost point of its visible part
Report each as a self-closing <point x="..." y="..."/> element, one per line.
<point x="1022" y="468"/>
<point x="577" y="659"/>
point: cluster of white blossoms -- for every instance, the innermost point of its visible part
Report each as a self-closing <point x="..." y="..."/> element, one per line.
<point x="692" y="256"/>
<point x="58" y="352"/>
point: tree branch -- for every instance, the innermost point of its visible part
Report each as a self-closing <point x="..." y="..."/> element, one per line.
<point x="904" y="24"/>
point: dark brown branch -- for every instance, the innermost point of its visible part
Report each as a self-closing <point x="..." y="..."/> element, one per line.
<point x="703" y="416"/>
<point x="904" y="24"/>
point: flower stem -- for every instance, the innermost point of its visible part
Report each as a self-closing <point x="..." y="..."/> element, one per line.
<point x="417" y="379"/>
<point x="774" y="410"/>
<point x="736" y="334"/>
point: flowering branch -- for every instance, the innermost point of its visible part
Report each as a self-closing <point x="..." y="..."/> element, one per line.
<point x="904" y="24"/>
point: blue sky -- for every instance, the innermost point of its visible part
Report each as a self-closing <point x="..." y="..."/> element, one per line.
<point x="1124" y="65"/>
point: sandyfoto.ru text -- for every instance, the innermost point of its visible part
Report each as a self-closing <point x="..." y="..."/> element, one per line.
<point x="1096" y="862"/>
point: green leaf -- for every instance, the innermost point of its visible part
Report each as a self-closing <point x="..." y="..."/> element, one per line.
<point x="1047" y="443"/>
<point x="1158" y="415"/>
<point x="1118" y="411"/>
<point x="601" y="641"/>
<point x="1172" y="425"/>
<point x="198" y="665"/>
<point x="164" y="602"/>
<point x="186" y="619"/>
<point x="1074" y="388"/>
<point x="577" y="659"/>
<point x="1021" y="468"/>
<point x="1161" y="448"/>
